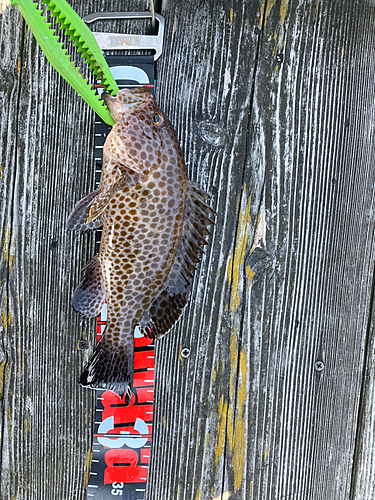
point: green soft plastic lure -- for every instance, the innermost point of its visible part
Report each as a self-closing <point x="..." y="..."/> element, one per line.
<point x="76" y="29"/>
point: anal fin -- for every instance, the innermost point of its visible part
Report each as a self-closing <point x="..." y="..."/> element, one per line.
<point x="169" y="304"/>
<point x="89" y="296"/>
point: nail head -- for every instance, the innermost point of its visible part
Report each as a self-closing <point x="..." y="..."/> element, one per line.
<point x="82" y="344"/>
<point x="185" y="352"/>
<point x="319" y="366"/>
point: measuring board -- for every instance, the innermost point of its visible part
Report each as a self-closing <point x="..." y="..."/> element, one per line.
<point x="122" y="434"/>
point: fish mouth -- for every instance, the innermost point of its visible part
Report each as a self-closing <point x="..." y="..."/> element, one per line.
<point x="114" y="106"/>
<point x="127" y="100"/>
<point x="107" y="97"/>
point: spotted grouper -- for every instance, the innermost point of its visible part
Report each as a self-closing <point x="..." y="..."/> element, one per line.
<point x="155" y="222"/>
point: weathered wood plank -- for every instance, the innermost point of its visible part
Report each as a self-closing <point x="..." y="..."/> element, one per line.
<point x="288" y="279"/>
<point x="319" y="192"/>
<point x="205" y="84"/>
<point x="44" y="444"/>
<point x="273" y="104"/>
<point x="47" y="165"/>
<point x="363" y="483"/>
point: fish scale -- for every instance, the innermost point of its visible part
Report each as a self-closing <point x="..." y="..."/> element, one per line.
<point x="154" y="226"/>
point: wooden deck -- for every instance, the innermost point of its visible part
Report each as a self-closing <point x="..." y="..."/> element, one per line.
<point x="274" y="105"/>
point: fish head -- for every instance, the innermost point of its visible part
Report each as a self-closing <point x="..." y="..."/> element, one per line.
<point x="127" y="100"/>
<point x="141" y="130"/>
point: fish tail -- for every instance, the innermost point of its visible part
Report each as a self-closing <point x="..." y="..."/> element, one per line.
<point x="110" y="368"/>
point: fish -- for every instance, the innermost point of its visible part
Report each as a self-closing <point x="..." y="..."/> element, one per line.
<point x="155" y="227"/>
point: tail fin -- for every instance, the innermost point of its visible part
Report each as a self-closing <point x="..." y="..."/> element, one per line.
<point x="110" y="368"/>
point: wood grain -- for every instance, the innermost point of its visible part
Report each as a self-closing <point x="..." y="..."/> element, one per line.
<point x="273" y="104"/>
<point x="287" y="91"/>
<point x="47" y="165"/>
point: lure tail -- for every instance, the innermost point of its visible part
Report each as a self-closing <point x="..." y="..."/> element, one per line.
<point x="73" y="27"/>
<point x="110" y="368"/>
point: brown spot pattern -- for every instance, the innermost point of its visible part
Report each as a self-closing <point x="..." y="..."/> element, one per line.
<point x="143" y="223"/>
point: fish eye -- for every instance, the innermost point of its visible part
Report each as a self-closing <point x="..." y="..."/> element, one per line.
<point x="158" y="119"/>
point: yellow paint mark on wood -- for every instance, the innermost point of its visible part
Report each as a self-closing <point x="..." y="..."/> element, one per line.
<point x="236" y="261"/>
<point x="8" y="247"/>
<point x="250" y="276"/>
<point x="9" y="422"/>
<point x="5" y="320"/>
<point x="88" y="466"/>
<point x="221" y="425"/>
<point x="1" y="171"/>
<point x="266" y="453"/>
<point x="180" y="357"/>
<point x="6" y="316"/>
<point x="3" y="376"/>
<point x="230" y="15"/>
<point x="237" y="415"/>
<point x="316" y="10"/>
<point x="198" y="495"/>
<point x="261" y="14"/>
<point x="251" y="489"/>
<point x="270" y="5"/>
<point x="26" y="427"/>
<point x="283" y="11"/>
<point x="342" y="53"/>
<point x="19" y="66"/>
<point x="239" y="455"/>
<point x="233" y="362"/>
<point x="214" y="374"/>
<point x="179" y="491"/>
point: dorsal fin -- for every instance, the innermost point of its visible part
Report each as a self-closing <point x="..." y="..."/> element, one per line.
<point x="168" y="305"/>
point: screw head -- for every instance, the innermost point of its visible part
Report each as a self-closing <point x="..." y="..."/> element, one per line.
<point x="82" y="345"/>
<point x="185" y="352"/>
<point x="279" y="57"/>
<point x="319" y="366"/>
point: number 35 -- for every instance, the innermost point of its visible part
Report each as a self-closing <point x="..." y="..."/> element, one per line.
<point x="117" y="488"/>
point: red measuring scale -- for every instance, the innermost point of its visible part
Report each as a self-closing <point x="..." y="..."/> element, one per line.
<point x="122" y="434"/>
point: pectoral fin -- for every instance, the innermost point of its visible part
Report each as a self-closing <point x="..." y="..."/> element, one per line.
<point x="103" y="198"/>
<point x="167" y="307"/>
<point x="77" y="220"/>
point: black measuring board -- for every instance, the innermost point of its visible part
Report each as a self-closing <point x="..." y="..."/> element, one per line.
<point x="122" y="434"/>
